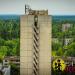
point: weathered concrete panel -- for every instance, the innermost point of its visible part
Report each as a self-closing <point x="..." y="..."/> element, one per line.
<point x="26" y="44"/>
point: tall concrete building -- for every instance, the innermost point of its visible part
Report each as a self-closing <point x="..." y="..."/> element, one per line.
<point x="35" y="43"/>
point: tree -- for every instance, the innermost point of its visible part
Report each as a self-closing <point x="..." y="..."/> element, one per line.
<point x="70" y="50"/>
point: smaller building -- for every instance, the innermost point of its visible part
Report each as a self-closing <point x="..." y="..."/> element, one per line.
<point x="66" y="26"/>
<point x="12" y="59"/>
<point x="55" y="40"/>
<point x="68" y="41"/>
<point x="4" y="69"/>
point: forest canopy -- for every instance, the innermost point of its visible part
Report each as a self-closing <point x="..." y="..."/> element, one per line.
<point x="9" y="37"/>
<point x="63" y="34"/>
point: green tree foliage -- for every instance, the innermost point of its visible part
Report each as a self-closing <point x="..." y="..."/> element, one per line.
<point x="56" y="46"/>
<point x="60" y="49"/>
<point x="70" y="50"/>
<point x="57" y="29"/>
<point x="9" y="37"/>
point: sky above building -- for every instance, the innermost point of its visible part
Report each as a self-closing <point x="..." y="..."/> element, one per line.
<point x="55" y="7"/>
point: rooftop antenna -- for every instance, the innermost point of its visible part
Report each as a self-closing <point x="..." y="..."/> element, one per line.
<point x="27" y="8"/>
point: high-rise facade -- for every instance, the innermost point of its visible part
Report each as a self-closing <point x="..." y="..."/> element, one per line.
<point x="35" y="43"/>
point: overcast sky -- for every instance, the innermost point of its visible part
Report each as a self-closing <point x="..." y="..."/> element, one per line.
<point x="55" y="7"/>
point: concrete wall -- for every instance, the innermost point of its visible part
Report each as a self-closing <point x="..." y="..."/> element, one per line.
<point x="26" y="45"/>
<point x="45" y="45"/>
